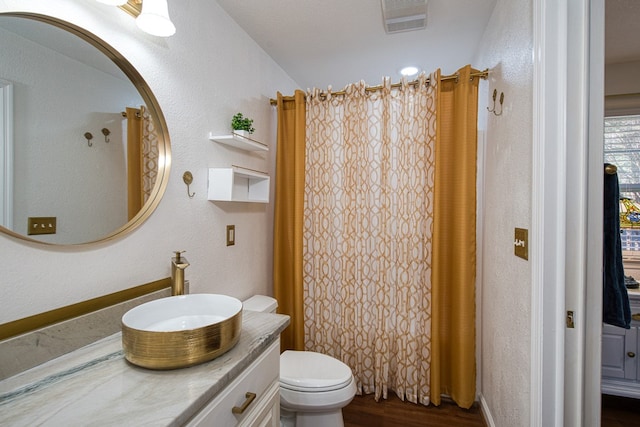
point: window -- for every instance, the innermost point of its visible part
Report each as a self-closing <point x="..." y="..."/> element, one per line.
<point x="622" y="148"/>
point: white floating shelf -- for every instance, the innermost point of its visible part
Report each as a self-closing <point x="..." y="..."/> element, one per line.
<point x="237" y="184"/>
<point x="238" y="141"/>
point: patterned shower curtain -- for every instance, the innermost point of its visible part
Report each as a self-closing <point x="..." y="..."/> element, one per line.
<point x="368" y="216"/>
<point x="375" y="233"/>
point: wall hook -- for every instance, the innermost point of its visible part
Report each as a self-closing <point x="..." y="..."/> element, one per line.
<point x="89" y="137"/>
<point x="106" y="132"/>
<point x="187" y="177"/>
<point x="495" y="95"/>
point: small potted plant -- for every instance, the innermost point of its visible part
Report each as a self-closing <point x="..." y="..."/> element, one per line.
<point x="242" y="125"/>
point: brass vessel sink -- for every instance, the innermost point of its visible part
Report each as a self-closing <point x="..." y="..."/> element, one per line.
<point x="180" y="331"/>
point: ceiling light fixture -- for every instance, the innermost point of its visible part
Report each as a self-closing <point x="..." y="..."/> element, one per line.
<point x="152" y="16"/>
<point x="155" y="20"/>
<point x="409" y="71"/>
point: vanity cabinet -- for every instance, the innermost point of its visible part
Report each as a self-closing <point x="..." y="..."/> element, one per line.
<point x="621" y="356"/>
<point x="96" y="385"/>
<point x="252" y="399"/>
<point x="236" y="183"/>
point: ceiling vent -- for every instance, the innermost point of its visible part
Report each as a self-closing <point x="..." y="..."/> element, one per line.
<point x="404" y="15"/>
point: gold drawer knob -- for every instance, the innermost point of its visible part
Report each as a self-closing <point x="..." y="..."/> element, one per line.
<point x="239" y="410"/>
<point x="635" y="316"/>
<point x="631" y="354"/>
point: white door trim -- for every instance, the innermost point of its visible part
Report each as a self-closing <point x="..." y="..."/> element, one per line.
<point x="548" y="212"/>
<point x="578" y="235"/>
<point x="593" y="304"/>
<point x="6" y="154"/>
<point x="566" y="246"/>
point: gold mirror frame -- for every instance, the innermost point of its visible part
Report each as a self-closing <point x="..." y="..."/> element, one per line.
<point x="153" y="107"/>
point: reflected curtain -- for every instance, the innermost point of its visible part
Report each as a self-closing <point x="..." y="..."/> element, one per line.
<point x="367" y="234"/>
<point x="453" y="363"/>
<point x="288" y="211"/>
<point x="142" y="158"/>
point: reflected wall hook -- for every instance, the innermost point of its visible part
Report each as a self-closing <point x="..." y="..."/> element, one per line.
<point x="187" y="177"/>
<point x="89" y="137"/>
<point x="493" y="110"/>
<point x="106" y="132"/>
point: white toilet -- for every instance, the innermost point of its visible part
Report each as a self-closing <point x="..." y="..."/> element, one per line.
<point x="314" y="387"/>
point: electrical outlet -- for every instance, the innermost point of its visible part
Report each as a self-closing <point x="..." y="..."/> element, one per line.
<point x="41" y="225"/>
<point x="231" y="235"/>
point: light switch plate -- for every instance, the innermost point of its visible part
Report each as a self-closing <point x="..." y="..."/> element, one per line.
<point x="521" y="243"/>
<point x="231" y="235"/>
<point x="41" y="225"/>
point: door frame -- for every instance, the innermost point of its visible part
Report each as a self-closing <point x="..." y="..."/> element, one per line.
<point x="548" y="212"/>
<point x="566" y="253"/>
<point x="6" y="154"/>
<point x="591" y="409"/>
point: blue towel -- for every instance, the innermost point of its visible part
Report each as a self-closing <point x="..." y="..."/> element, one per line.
<point x="615" y="300"/>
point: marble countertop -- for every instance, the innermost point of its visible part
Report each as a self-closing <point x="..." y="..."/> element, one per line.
<point x="96" y="386"/>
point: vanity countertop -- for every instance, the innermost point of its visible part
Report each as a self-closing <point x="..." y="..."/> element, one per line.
<point x="96" y="386"/>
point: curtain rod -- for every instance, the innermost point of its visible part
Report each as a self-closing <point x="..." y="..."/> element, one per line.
<point x="480" y="74"/>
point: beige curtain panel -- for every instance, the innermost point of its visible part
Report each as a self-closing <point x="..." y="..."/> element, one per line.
<point x="361" y="276"/>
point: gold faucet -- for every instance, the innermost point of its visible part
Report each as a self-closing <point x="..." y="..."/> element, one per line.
<point x="178" y="265"/>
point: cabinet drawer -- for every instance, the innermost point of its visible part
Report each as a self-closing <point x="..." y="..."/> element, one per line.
<point x="267" y="413"/>
<point x="616" y="342"/>
<point x="257" y="378"/>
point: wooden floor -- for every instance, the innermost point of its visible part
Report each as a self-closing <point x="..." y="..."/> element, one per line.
<point x="365" y="411"/>
<point x="620" y="411"/>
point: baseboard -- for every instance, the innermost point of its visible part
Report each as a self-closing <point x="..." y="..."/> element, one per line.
<point x="486" y="412"/>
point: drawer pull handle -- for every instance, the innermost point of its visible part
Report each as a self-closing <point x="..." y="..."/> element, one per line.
<point x="239" y="410"/>
<point x="635" y="316"/>
<point x="631" y="354"/>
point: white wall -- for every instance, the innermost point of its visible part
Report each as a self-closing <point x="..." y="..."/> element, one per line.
<point x="505" y="303"/>
<point x="209" y="70"/>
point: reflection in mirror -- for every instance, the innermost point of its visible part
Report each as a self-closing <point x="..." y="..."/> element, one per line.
<point x="89" y="147"/>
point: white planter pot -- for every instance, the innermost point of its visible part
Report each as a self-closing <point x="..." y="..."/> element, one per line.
<point x="242" y="133"/>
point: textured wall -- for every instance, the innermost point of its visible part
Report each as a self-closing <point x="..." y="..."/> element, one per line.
<point x="505" y="300"/>
<point x="206" y="72"/>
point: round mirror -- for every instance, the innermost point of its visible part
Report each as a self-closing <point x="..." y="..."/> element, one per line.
<point x="84" y="147"/>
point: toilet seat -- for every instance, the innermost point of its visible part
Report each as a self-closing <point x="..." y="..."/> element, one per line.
<point x="307" y="371"/>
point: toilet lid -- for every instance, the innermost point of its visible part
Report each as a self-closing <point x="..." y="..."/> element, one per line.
<point x="312" y="372"/>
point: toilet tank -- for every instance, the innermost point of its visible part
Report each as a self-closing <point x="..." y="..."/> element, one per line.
<point x="261" y="303"/>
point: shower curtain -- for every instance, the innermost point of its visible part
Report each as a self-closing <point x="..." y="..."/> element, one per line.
<point x="142" y="158"/>
<point x="375" y="293"/>
<point x="288" y="211"/>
